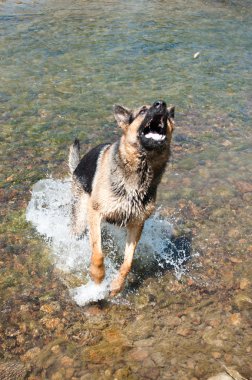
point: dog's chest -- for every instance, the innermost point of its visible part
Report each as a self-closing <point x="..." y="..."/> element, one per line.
<point x="130" y="197"/>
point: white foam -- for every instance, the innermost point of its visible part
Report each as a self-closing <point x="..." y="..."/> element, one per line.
<point x="90" y="292"/>
<point x="49" y="212"/>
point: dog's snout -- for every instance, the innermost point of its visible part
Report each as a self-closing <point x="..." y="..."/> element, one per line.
<point x="159" y="104"/>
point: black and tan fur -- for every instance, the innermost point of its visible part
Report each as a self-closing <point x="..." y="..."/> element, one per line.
<point x="118" y="182"/>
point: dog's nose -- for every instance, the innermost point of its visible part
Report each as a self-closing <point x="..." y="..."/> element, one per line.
<point x="159" y="104"/>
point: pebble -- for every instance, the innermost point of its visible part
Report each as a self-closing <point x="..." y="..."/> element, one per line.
<point x="247" y="197"/>
<point x="233" y="233"/>
<point x="235" y="319"/>
<point x="50" y="323"/>
<point x="216" y="354"/>
<point x="211" y="338"/>
<point x="150" y="373"/>
<point x="20" y="339"/>
<point x="66" y="361"/>
<point x="55" y="349"/>
<point x="145" y="342"/>
<point x="148" y="363"/>
<point x="242" y="301"/>
<point x="24" y="308"/>
<point x="190" y="364"/>
<point x="57" y="376"/>
<point x="159" y="359"/>
<point x="221" y="376"/>
<point x="50" y="308"/>
<point x="69" y="373"/>
<point x="92" y="310"/>
<point x="233" y="373"/>
<point x="113" y="335"/>
<point x="85" y="377"/>
<point x="244" y="187"/>
<point x="184" y="331"/>
<point x="228" y="279"/>
<point x="244" y="283"/>
<point x="228" y="358"/>
<point x="174" y="361"/>
<point x="226" y="143"/>
<point x="235" y="260"/>
<point x="173" y="321"/>
<point x="138" y="354"/>
<point x="120" y="374"/>
<point x="190" y="282"/>
<point x="30" y="354"/>
<point x="108" y="373"/>
<point x="142" y="329"/>
<point x="213" y="322"/>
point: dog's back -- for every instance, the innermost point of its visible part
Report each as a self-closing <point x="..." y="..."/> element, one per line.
<point x="87" y="167"/>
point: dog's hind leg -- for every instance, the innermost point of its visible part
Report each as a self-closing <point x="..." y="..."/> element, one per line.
<point x="97" y="271"/>
<point x="133" y="235"/>
<point x="79" y="214"/>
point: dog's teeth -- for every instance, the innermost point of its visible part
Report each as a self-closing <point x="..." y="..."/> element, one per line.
<point x="155" y="136"/>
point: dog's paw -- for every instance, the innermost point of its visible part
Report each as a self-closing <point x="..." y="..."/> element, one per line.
<point x="116" y="286"/>
<point x="97" y="273"/>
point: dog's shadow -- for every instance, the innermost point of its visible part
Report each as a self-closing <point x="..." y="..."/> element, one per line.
<point x="175" y="253"/>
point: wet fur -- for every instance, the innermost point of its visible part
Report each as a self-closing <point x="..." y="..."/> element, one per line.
<point x="117" y="183"/>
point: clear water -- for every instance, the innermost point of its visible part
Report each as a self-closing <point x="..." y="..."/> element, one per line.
<point x="62" y="67"/>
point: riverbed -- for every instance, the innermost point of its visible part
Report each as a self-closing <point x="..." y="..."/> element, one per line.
<point x="63" y="66"/>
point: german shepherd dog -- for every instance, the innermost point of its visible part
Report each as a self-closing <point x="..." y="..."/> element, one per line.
<point x="118" y="182"/>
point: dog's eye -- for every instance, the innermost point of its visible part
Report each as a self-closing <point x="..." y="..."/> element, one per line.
<point x="143" y="111"/>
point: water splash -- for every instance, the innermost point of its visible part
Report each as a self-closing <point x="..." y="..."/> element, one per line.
<point x="49" y="212"/>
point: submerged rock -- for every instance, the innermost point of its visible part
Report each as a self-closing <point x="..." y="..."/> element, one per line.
<point x="242" y="301"/>
<point x="235" y="319"/>
<point x="50" y="308"/>
<point x="13" y="370"/>
<point x="221" y="376"/>
<point x="31" y="354"/>
<point x="244" y="283"/>
<point x="244" y="187"/>
<point x="230" y="374"/>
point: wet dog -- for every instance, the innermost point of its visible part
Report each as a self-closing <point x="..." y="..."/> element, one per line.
<point x="118" y="182"/>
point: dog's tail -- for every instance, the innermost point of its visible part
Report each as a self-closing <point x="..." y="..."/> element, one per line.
<point x="74" y="155"/>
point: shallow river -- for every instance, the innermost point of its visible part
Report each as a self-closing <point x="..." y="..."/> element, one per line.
<point x="186" y="311"/>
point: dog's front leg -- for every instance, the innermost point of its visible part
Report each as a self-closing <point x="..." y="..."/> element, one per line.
<point x="133" y="235"/>
<point x="97" y="271"/>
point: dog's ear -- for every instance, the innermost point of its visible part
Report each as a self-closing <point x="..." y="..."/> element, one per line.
<point x="171" y="113"/>
<point x="123" y="116"/>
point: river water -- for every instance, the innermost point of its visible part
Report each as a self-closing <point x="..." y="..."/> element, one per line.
<point x="186" y="310"/>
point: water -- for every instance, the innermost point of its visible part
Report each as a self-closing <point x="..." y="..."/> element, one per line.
<point x="50" y="212"/>
<point x="63" y="66"/>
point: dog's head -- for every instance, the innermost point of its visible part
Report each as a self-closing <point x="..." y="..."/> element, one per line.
<point x="150" y="127"/>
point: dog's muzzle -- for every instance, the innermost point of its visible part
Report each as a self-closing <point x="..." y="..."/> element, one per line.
<point x="152" y="132"/>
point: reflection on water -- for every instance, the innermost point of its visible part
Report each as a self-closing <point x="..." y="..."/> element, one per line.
<point x="63" y="65"/>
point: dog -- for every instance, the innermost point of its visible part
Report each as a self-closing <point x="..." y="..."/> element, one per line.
<point x="118" y="182"/>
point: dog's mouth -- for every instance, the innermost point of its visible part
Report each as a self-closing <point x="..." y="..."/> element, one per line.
<point x="155" y="129"/>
